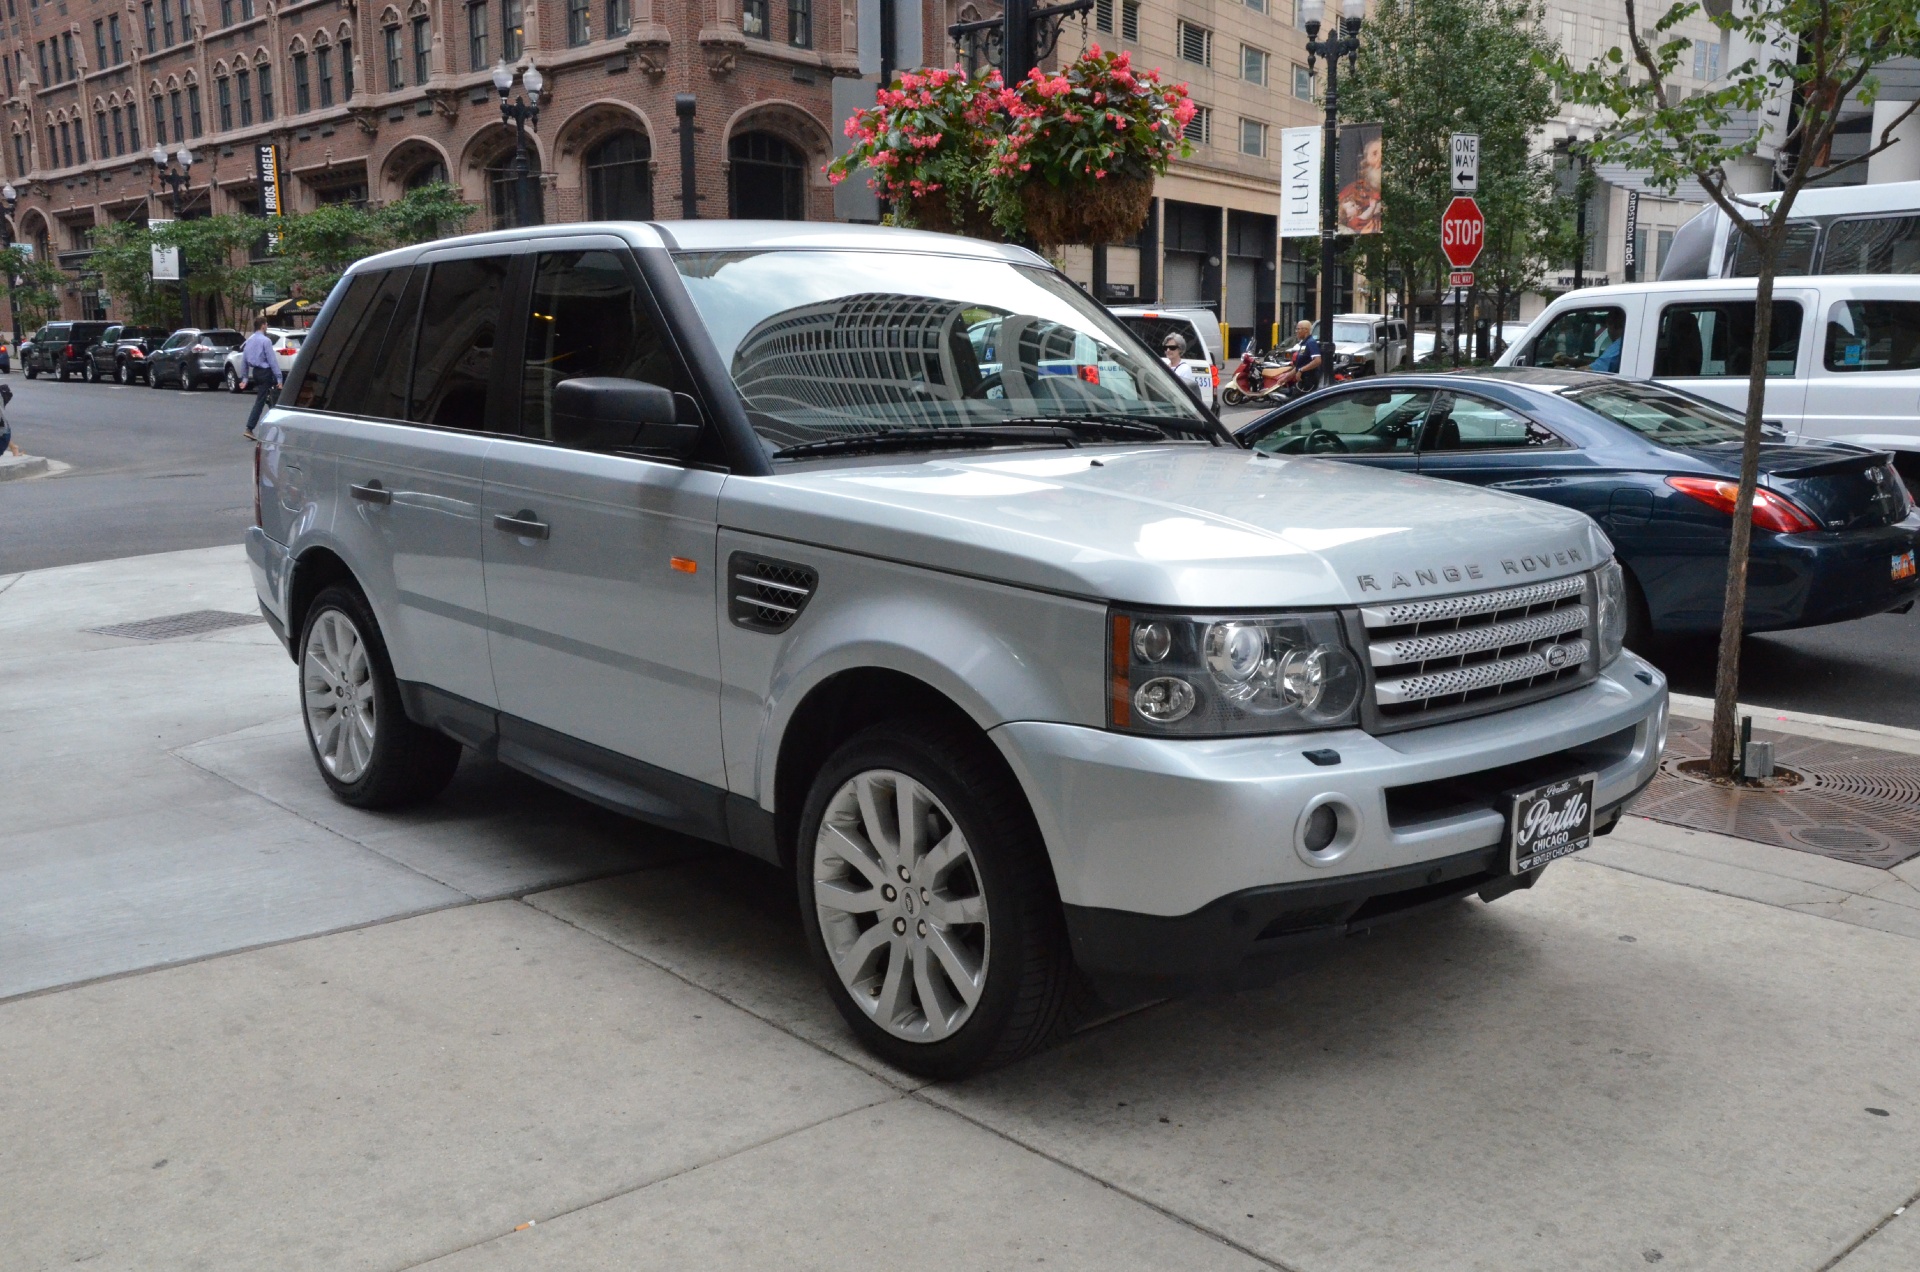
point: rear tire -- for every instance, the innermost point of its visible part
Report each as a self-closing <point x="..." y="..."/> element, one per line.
<point x="1232" y="396"/>
<point x="904" y="927"/>
<point x="229" y="381"/>
<point x="368" y="752"/>
<point x="121" y="375"/>
<point x="32" y="374"/>
<point x="1640" y="634"/>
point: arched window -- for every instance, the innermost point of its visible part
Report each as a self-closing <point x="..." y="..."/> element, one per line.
<point x="620" y="179"/>
<point x="766" y="179"/>
<point x="503" y="186"/>
<point x="432" y="172"/>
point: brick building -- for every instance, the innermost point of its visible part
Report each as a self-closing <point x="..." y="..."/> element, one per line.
<point x="371" y="97"/>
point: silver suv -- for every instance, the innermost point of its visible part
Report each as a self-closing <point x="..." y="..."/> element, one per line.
<point x="892" y="559"/>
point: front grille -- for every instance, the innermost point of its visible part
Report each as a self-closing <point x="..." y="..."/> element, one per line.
<point x="1461" y="655"/>
<point x="766" y="595"/>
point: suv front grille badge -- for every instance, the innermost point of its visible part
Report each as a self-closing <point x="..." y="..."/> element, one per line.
<point x="765" y="595"/>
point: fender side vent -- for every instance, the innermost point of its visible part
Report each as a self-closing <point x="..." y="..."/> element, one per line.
<point x="765" y="595"/>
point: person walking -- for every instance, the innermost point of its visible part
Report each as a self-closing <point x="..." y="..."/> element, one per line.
<point x="262" y="369"/>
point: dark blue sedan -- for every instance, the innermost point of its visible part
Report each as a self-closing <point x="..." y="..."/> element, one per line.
<point x="1834" y="529"/>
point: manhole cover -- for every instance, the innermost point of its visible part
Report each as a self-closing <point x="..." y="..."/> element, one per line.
<point x="1852" y="803"/>
<point x="192" y="623"/>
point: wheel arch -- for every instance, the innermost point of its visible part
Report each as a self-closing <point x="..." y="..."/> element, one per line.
<point x="314" y="569"/>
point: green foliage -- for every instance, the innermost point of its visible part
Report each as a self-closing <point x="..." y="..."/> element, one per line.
<point x="33" y="285"/>
<point x="1431" y="68"/>
<point x="123" y="255"/>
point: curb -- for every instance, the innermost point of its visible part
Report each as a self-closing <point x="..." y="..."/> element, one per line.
<point x="14" y="467"/>
<point x="1807" y="724"/>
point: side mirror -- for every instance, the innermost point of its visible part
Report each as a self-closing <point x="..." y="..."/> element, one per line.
<point x="608" y="413"/>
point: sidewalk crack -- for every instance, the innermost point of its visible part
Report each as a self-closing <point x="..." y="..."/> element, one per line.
<point x="1896" y="1213"/>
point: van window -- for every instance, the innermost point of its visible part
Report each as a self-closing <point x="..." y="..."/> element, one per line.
<point x="1579" y="336"/>
<point x="372" y="376"/>
<point x="457" y="327"/>
<point x="1873" y="335"/>
<point x="343" y="329"/>
<point x="1796" y="253"/>
<point x="1712" y="339"/>
<point x="587" y="318"/>
<point x="1156" y="330"/>
<point x="1873" y="245"/>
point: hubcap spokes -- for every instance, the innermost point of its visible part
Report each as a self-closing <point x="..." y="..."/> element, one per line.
<point x="898" y="896"/>
<point x="337" y="685"/>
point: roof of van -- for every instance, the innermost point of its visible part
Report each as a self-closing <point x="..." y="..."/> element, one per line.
<point x="1736" y="286"/>
<point x="1850" y="200"/>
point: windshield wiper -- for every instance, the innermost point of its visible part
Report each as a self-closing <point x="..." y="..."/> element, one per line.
<point x="1012" y="433"/>
<point x="1115" y="426"/>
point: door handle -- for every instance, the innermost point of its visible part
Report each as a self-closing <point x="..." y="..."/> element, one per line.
<point x="373" y="492"/>
<point x="524" y="524"/>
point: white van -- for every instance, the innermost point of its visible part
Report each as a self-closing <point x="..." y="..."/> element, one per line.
<point x="1857" y="229"/>
<point x="1198" y="327"/>
<point x="1845" y="362"/>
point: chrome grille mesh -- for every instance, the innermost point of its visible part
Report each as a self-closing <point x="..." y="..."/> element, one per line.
<point x="1459" y="655"/>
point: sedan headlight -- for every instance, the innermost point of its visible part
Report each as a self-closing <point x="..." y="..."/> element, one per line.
<point x="1260" y="673"/>
<point x="1612" y="611"/>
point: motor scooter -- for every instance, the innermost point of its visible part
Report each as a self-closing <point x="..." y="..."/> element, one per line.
<point x="1258" y="379"/>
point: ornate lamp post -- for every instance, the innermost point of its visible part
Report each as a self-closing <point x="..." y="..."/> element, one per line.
<point x="8" y="197"/>
<point x="176" y="181"/>
<point x="1020" y="38"/>
<point x="522" y="115"/>
<point x="1343" y="40"/>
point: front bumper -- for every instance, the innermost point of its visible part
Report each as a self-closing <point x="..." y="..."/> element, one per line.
<point x="1176" y="858"/>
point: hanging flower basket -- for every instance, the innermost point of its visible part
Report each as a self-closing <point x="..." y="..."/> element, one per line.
<point x="1110" y="210"/>
<point x="936" y="212"/>
<point x="927" y="141"/>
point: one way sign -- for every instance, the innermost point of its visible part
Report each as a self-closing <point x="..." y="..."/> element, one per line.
<point x="1466" y="163"/>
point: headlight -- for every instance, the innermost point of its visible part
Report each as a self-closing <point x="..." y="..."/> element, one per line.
<point x="1612" y="611"/>
<point x="1199" y="676"/>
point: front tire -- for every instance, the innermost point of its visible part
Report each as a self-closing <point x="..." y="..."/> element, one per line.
<point x="32" y="374"/>
<point x="368" y="752"/>
<point x="928" y="904"/>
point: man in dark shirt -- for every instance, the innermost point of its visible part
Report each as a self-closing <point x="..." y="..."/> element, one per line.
<point x="1306" y="357"/>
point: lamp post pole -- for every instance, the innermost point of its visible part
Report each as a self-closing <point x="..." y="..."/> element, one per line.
<point x="1343" y="40"/>
<point x="522" y="114"/>
<point x="175" y="179"/>
<point x="8" y="197"/>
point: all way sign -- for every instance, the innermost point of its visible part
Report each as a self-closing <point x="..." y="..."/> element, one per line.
<point x="1463" y="232"/>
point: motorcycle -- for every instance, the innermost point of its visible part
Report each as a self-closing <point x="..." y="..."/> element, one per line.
<point x="1258" y="379"/>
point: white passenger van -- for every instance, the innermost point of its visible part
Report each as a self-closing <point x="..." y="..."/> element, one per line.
<point x="1859" y="229"/>
<point x="1844" y="365"/>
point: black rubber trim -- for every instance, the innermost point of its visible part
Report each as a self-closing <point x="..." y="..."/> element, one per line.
<point x="277" y="627"/>
<point x="741" y="445"/>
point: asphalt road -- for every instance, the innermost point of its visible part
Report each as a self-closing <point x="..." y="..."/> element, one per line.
<point x="154" y="471"/>
<point x="151" y="471"/>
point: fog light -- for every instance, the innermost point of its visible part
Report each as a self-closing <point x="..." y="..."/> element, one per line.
<point x="1164" y="699"/>
<point x="1322" y="825"/>
<point x="1327" y="830"/>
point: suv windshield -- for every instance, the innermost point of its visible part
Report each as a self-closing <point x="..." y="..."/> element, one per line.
<point x="1660" y="415"/>
<point x="832" y="345"/>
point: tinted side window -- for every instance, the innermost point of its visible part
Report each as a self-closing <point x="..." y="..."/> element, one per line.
<point x="1576" y="337"/>
<point x="1873" y="335"/>
<point x="377" y="353"/>
<point x="1475" y="424"/>
<point x="1875" y="245"/>
<point x="342" y="329"/>
<point x="1366" y="422"/>
<point x="586" y="317"/>
<point x="1711" y="339"/>
<point x="1796" y="254"/>
<point x="458" y="324"/>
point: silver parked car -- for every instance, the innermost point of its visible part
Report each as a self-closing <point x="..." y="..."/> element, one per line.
<point x="1022" y="669"/>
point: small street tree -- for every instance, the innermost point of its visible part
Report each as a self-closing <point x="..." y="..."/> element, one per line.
<point x="123" y="254"/>
<point x="33" y="285"/>
<point x="1815" y="53"/>
<point x="1429" y="69"/>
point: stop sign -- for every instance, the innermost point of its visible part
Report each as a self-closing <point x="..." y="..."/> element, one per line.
<point x="1463" y="232"/>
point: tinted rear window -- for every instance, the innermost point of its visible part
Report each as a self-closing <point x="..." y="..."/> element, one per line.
<point x="222" y="339"/>
<point x="1672" y="419"/>
<point x="1873" y="245"/>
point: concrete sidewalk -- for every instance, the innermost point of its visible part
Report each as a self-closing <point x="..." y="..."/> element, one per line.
<point x="244" y="1026"/>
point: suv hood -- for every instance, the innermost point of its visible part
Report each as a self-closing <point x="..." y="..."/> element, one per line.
<point x="1177" y="526"/>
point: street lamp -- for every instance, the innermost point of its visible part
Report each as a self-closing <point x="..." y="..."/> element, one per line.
<point x="8" y="197"/>
<point x="521" y="114"/>
<point x="176" y="181"/>
<point x="1343" y="40"/>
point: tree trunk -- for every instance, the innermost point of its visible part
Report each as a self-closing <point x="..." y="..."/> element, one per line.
<point x="1726" y="682"/>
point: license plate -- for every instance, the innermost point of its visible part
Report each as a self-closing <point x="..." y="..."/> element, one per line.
<point x="1902" y="566"/>
<point x="1550" y="822"/>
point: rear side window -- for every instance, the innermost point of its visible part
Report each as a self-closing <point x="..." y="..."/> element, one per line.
<point x="1579" y="336"/>
<point x="1714" y="339"/>
<point x="1796" y="254"/>
<point x="586" y="317"/>
<point x="458" y="326"/>
<point x="1873" y="335"/>
<point x="372" y="378"/>
<point x="1474" y="424"/>
<point x="1873" y="245"/>
<point x="343" y="329"/>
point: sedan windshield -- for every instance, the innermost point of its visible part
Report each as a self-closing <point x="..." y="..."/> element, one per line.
<point x="1659" y="415"/>
<point x="827" y="346"/>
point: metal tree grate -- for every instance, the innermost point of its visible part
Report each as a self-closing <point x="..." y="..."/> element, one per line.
<point x="1854" y="803"/>
<point x="170" y="626"/>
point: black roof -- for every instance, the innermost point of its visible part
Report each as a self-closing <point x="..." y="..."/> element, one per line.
<point x="1552" y="379"/>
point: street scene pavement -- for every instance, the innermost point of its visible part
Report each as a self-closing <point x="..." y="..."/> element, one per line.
<point x="244" y="1025"/>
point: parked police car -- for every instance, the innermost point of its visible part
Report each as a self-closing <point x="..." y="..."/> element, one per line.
<point x="1023" y="675"/>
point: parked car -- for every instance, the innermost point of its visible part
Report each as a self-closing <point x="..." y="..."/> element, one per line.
<point x="6" y="356"/>
<point x="1372" y="344"/>
<point x="286" y="344"/>
<point x="1198" y="327"/>
<point x="192" y="357"/>
<point x="121" y="353"/>
<point x="1845" y="362"/>
<point x="60" y="348"/>
<point x="1009" y="671"/>
<point x="1834" y="528"/>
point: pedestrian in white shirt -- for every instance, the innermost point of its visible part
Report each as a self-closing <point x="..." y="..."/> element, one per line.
<point x="262" y="370"/>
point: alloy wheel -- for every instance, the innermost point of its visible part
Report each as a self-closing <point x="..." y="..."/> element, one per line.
<point x="336" y="683"/>
<point x="900" y="905"/>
